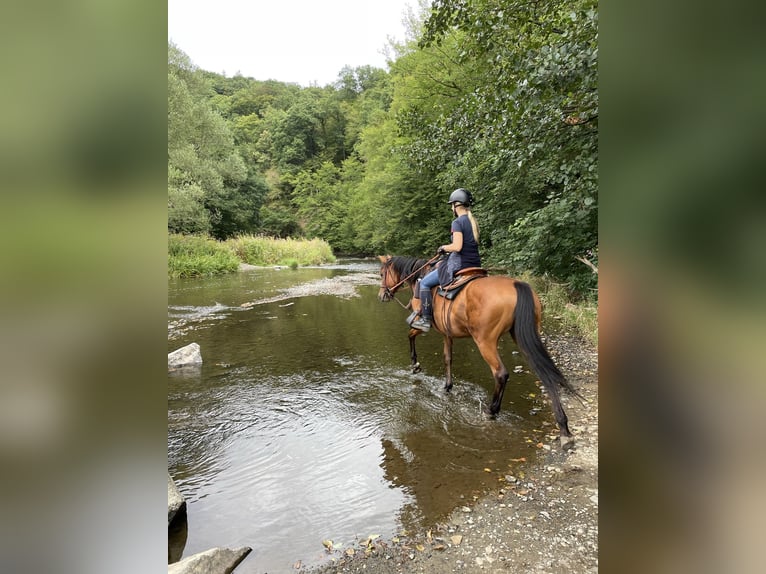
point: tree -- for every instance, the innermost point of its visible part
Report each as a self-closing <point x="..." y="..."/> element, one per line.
<point x="522" y="128"/>
<point x="204" y="167"/>
<point x="498" y="96"/>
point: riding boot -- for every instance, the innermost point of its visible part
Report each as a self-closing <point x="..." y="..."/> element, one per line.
<point x="423" y="323"/>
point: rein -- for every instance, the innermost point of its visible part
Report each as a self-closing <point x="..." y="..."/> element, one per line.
<point x="391" y="290"/>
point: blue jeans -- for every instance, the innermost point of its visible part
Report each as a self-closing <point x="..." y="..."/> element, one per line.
<point x="426" y="284"/>
<point x="430" y="281"/>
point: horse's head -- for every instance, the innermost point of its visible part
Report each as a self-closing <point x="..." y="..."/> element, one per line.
<point x="389" y="277"/>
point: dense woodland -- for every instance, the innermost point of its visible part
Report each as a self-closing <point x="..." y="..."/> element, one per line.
<point x="496" y="96"/>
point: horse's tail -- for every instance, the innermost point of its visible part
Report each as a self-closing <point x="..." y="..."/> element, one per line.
<point x="525" y="333"/>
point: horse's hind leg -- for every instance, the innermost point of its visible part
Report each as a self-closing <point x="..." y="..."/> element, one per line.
<point x="414" y="365"/>
<point x="490" y="354"/>
<point x="448" y="363"/>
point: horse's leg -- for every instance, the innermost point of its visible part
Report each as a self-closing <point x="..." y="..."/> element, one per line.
<point x="448" y="362"/>
<point x="414" y="365"/>
<point x="489" y="352"/>
<point x="414" y="304"/>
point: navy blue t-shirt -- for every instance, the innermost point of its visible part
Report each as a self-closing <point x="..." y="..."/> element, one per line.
<point x="470" y="253"/>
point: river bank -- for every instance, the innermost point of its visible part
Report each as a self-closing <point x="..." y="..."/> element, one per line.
<point x="543" y="516"/>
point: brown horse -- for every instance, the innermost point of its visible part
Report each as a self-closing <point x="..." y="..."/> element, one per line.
<point x="485" y="309"/>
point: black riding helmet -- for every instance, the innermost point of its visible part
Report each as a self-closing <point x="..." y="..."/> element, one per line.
<point x="461" y="195"/>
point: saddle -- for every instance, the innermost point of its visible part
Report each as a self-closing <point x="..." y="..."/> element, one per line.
<point x="462" y="278"/>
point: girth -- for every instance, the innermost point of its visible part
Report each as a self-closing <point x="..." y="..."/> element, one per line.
<point x="462" y="278"/>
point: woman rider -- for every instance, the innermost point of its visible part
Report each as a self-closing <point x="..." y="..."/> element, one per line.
<point x="463" y="252"/>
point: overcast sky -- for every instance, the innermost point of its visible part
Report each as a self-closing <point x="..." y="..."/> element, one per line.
<point x="300" y="41"/>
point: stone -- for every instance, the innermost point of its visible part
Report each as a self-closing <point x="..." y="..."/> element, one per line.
<point x="175" y="501"/>
<point x="185" y="356"/>
<point x="213" y="561"/>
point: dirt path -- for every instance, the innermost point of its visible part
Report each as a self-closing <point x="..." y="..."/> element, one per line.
<point x="541" y="518"/>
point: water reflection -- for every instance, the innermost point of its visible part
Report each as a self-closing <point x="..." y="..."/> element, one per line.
<point x="304" y="422"/>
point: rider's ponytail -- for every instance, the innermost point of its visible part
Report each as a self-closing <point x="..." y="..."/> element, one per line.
<point x="474" y="224"/>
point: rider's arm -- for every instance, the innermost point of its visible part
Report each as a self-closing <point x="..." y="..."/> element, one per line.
<point x="457" y="242"/>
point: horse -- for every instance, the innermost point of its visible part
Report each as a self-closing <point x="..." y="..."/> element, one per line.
<point x="486" y="308"/>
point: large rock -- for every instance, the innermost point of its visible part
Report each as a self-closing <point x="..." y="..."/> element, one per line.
<point x="185" y="356"/>
<point x="175" y="501"/>
<point x="213" y="561"/>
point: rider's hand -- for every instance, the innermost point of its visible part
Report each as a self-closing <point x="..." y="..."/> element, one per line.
<point x="441" y="251"/>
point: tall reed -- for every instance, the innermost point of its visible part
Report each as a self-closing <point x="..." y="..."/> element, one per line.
<point x="196" y="256"/>
<point x="260" y="250"/>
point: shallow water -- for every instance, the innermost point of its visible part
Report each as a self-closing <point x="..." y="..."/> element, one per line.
<point x="305" y="424"/>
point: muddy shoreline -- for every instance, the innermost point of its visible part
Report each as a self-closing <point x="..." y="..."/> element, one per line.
<point x="543" y="516"/>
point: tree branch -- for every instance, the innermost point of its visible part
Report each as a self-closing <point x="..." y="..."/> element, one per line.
<point x="588" y="263"/>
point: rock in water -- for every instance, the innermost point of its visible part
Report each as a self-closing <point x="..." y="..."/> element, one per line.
<point x="188" y="355"/>
<point x="213" y="561"/>
<point x="175" y="501"/>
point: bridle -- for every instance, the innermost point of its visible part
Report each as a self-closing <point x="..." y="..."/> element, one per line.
<point x="389" y="291"/>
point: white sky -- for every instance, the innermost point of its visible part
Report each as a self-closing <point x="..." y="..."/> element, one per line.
<point x="300" y="41"/>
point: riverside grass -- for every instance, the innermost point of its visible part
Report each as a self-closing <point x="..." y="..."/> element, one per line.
<point x="581" y="317"/>
<point x="195" y="256"/>
<point x="198" y="256"/>
<point x="260" y="250"/>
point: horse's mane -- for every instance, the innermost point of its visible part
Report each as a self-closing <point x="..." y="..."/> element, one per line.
<point x="407" y="265"/>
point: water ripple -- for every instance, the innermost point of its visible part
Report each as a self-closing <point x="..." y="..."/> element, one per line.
<point x="304" y="422"/>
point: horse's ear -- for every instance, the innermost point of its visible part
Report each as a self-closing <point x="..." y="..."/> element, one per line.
<point x="384" y="258"/>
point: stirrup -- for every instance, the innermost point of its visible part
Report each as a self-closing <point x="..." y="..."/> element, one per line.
<point x="421" y="324"/>
<point x="412" y="317"/>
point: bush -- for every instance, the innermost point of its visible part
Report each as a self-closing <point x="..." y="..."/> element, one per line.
<point x="196" y="256"/>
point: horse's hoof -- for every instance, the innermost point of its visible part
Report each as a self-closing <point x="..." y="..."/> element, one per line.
<point x="567" y="442"/>
<point x="416" y="368"/>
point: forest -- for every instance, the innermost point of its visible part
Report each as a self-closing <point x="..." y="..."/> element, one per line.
<point x="495" y="96"/>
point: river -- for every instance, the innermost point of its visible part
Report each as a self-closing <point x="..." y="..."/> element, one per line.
<point x="304" y="423"/>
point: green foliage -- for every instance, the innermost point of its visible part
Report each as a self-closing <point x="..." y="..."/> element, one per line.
<point x="205" y="171"/>
<point x="195" y="256"/>
<point x="186" y="212"/>
<point x="259" y="250"/>
<point x="510" y="110"/>
<point x="498" y="96"/>
<point x="239" y="211"/>
<point x="279" y="220"/>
